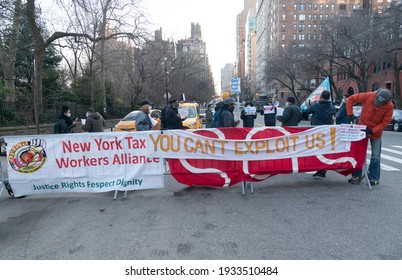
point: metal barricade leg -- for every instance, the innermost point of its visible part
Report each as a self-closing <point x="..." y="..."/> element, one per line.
<point x="243" y="188"/>
<point x="251" y="187"/>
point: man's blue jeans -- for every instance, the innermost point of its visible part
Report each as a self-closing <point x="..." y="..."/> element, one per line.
<point x="375" y="161"/>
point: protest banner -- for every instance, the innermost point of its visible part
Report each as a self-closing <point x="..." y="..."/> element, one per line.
<point x="84" y="162"/>
<point x="260" y="158"/>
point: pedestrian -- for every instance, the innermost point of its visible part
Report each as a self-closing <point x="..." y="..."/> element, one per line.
<point x="323" y="113"/>
<point x="64" y="123"/>
<point x="172" y="116"/>
<point x="209" y="116"/>
<point x="269" y="112"/>
<point x="216" y="121"/>
<point x="376" y="114"/>
<point x="94" y="122"/>
<point x="292" y="114"/>
<point x="226" y="115"/>
<point x="341" y="116"/>
<point x="143" y="120"/>
<point x="248" y="115"/>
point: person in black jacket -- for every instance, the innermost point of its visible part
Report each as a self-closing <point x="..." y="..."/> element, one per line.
<point x="65" y="124"/>
<point x="269" y="111"/>
<point x="323" y="113"/>
<point x="172" y="116"/>
<point x="248" y="115"/>
<point x="292" y="114"/>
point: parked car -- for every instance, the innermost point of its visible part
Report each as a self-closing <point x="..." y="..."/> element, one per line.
<point x="396" y="122"/>
<point x="128" y="122"/>
<point x="190" y="113"/>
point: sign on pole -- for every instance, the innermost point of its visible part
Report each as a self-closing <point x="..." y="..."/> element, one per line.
<point x="235" y="85"/>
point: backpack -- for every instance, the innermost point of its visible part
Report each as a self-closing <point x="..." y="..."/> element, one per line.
<point x="57" y="128"/>
<point x="60" y="127"/>
<point x="216" y="122"/>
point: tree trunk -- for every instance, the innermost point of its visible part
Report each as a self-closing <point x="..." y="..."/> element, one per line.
<point x="39" y="54"/>
<point x="397" y="84"/>
<point x="9" y="61"/>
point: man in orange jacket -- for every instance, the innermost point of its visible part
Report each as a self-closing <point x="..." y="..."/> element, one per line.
<point x="376" y="114"/>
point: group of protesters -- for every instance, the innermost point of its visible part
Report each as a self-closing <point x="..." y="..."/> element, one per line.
<point x="376" y="114"/>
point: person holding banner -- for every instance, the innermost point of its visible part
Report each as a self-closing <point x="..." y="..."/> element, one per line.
<point x="292" y="114"/>
<point x="143" y="122"/>
<point x="269" y="111"/>
<point x="341" y="116"/>
<point x="323" y="113"/>
<point x="94" y="122"/>
<point x="248" y="115"/>
<point x="376" y="114"/>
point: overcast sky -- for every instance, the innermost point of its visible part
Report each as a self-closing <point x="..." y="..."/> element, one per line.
<point x="218" y="25"/>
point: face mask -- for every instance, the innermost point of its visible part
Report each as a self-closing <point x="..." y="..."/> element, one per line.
<point x="87" y="114"/>
<point x="149" y="107"/>
<point x="68" y="114"/>
<point x="287" y="104"/>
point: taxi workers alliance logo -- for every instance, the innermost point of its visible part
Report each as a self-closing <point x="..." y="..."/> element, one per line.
<point x="28" y="156"/>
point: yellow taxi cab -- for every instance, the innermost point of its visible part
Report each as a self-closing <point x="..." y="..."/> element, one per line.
<point x="128" y="122"/>
<point x="191" y="113"/>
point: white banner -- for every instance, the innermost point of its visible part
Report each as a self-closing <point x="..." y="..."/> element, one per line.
<point x="82" y="162"/>
<point x="182" y="144"/>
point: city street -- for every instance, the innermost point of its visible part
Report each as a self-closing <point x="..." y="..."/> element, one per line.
<point x="288" y="217"/>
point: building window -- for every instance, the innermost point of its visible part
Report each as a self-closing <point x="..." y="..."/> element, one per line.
<point x="283" y="27"/>
<point x="294" y="27"/>
<point x="283" y="37"/>
<point x="283" y="7"/>
<point x="314" y="17"/>
<point x="342" y="7"/>
<point x="310" y="7"/>
<point x="320" y="17"/>
<point x="294" y="37"/>
<point x="327" y="7"/>
<point x="302" y="27"/>
<point x="321" y="7"/>
<point x="302" y="7"/>
<point x="295" y="7"/>
<point x="333" y="7"/>
<point x="309" y="17"/>
<point x="309" y="27"/>
<point x="294" y="17"/>
<point x="302" y="17"/>
<point x="283" y="17"/>
<point x="315" y="7"/>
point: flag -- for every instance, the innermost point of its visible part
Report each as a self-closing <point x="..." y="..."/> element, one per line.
<point x="315" y="95"/>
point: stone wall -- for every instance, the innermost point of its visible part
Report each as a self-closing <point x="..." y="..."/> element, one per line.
<point x="45" y="129"/>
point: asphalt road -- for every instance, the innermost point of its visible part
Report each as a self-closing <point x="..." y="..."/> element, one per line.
<point x="289" y="217"/>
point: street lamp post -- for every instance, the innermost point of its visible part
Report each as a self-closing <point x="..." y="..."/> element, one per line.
<point x="166" y="81"/>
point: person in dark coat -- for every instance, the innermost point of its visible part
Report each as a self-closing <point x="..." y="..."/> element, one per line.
<point x="323" y="113"/>
<point x="269" y="113"/>
<point x="292" y="114"/>
<point x="248" y="115"/>
<point x="209" y="116"/>
<point x="341" y="116"/>
<point x="227" y="117"/>
<point x="94" y="122"/>
<point x="172" y="116"/>
<point x="65" y="124"/>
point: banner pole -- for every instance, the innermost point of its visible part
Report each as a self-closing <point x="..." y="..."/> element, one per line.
<point x="365" y="168"/>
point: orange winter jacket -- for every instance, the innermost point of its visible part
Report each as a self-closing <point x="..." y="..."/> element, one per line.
<point x="375" y="118"/>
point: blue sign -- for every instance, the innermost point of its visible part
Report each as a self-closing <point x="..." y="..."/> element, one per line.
<point x="235" y="85"/>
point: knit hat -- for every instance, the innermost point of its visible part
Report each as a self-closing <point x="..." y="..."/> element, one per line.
<point x="225" y="95"/>
<point x="383" y="96"/>
<point x="291" y="99"/>
<point x="145" y="102"/>
<point x="228" y="101"/>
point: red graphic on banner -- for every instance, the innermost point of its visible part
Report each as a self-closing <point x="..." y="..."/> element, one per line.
<point x="222" y="173"/>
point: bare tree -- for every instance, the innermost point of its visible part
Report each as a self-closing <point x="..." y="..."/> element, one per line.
<point x="40" y="43"/>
